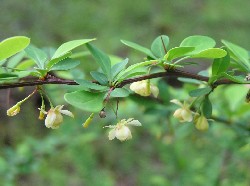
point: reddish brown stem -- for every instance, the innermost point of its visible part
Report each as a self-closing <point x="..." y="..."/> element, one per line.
<point x="169" y="73"/>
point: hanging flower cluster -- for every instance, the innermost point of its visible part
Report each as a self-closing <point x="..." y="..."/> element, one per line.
<point x="184" y="114"/>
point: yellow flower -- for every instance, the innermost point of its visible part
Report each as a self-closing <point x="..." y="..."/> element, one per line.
<point x="183" y="114"/>
<point x="201" y="122"/>
<point x="144" y="88"/>
<point x="13" y="110"/>
<point x="121" y="130"/>
<point x="54" y="116"/>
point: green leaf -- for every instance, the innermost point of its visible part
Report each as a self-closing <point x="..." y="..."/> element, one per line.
<point x="2" y="62"/>
<point x="68" y="46"/>
<point x="100" y="77"/>
<point x="54" y="61"/>
<point x="133" y="74"/>
<point x="14" y="60"/>
<point x="90" y="85"/>
<point x="49" y="51"/>
<point x="210" y="53"/>
<point x="37" y="55"/>
<point x="237" y="79"/>
<point x="66" y="64"/>
<point x="77" y="74"/>
<point x="88" y="101"/>
<point x="120" y="92"/>
<point x="139" y="48"/>
<point x="177" y="52"/>
<point x="42" y="72"/>
<point x="199" y="42"/>
<point x="8" y="76"/>
<point x="118" y="67"/>
<point x="206" y="107"/>
<point x="14" y="75"/>
<point x="239" y="53"/>
<point x="102" y="59"/>
<point x="131" y="68"/>
<point x="22" y="74"/>
<point x="183" y="63"/>
<point x="24" y="65"/>
<point x="200" y="92"/>
<point x="12" y="45"/>
<point x="220" y="64"/>
<point x="159" y="46"/>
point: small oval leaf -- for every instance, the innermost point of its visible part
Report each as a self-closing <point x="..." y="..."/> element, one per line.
<point x="100" y="77"/>
<point x="199" y="42"/>
<point x="102" y="59"/>
<point x="66" y="64"/>
<point x="13" y="45"/>
<point x="210" y="53"/>
<point x="90" y="85"/>
<point x="120" y="92"/>
<point x="237" y="79"/>
<point x="200" y="92"/>
<point x="159" y="46"/>
<point x="239" y="53"/>
<point x="220" y="65"/>
<point x="88" y="101"/>
<point x="139" y="48"/>
<point x="68" y="46"/>
<point x="177" y="52"/>
<point x="206" y="107"/>
<point x="39" y="56"/>
<point x="118" y="67"/>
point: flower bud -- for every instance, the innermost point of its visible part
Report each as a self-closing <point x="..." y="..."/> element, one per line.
<point x="13" y="110"/>
<point x="144" y="88"/>
<point x="201" y="122"/>
<point x="88" y="121"/>
<point x="41" y="115"/>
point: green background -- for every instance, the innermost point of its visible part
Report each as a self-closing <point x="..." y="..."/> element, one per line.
<point x="162" y="151"/>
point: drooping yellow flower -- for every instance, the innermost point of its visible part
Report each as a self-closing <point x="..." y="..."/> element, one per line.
<point x="144" y="88"/>
<point x="121" y="131"/>
<point x="14" y="110"/>
<point x="201" y="122"/>
<point x="54" y="116"/>
<point x="183" y="114"/>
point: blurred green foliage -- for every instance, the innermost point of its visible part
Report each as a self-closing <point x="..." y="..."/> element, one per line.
<point x="162" y="152"/>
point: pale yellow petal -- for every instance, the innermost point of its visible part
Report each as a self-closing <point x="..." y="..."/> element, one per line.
<point x="66" y="112"/>
<point x="177" y="102"/>
<point x="177" y="114"/>
<point x="123" y="133"/>
<point x="50" y="119"/>
<point x="111" y="134"/>
<point x="155" y="90"/>
<point x="134" y="123"/>
<point x="187" y="115"/>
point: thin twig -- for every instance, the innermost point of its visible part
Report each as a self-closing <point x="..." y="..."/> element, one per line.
<point x="168" y="73"/>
